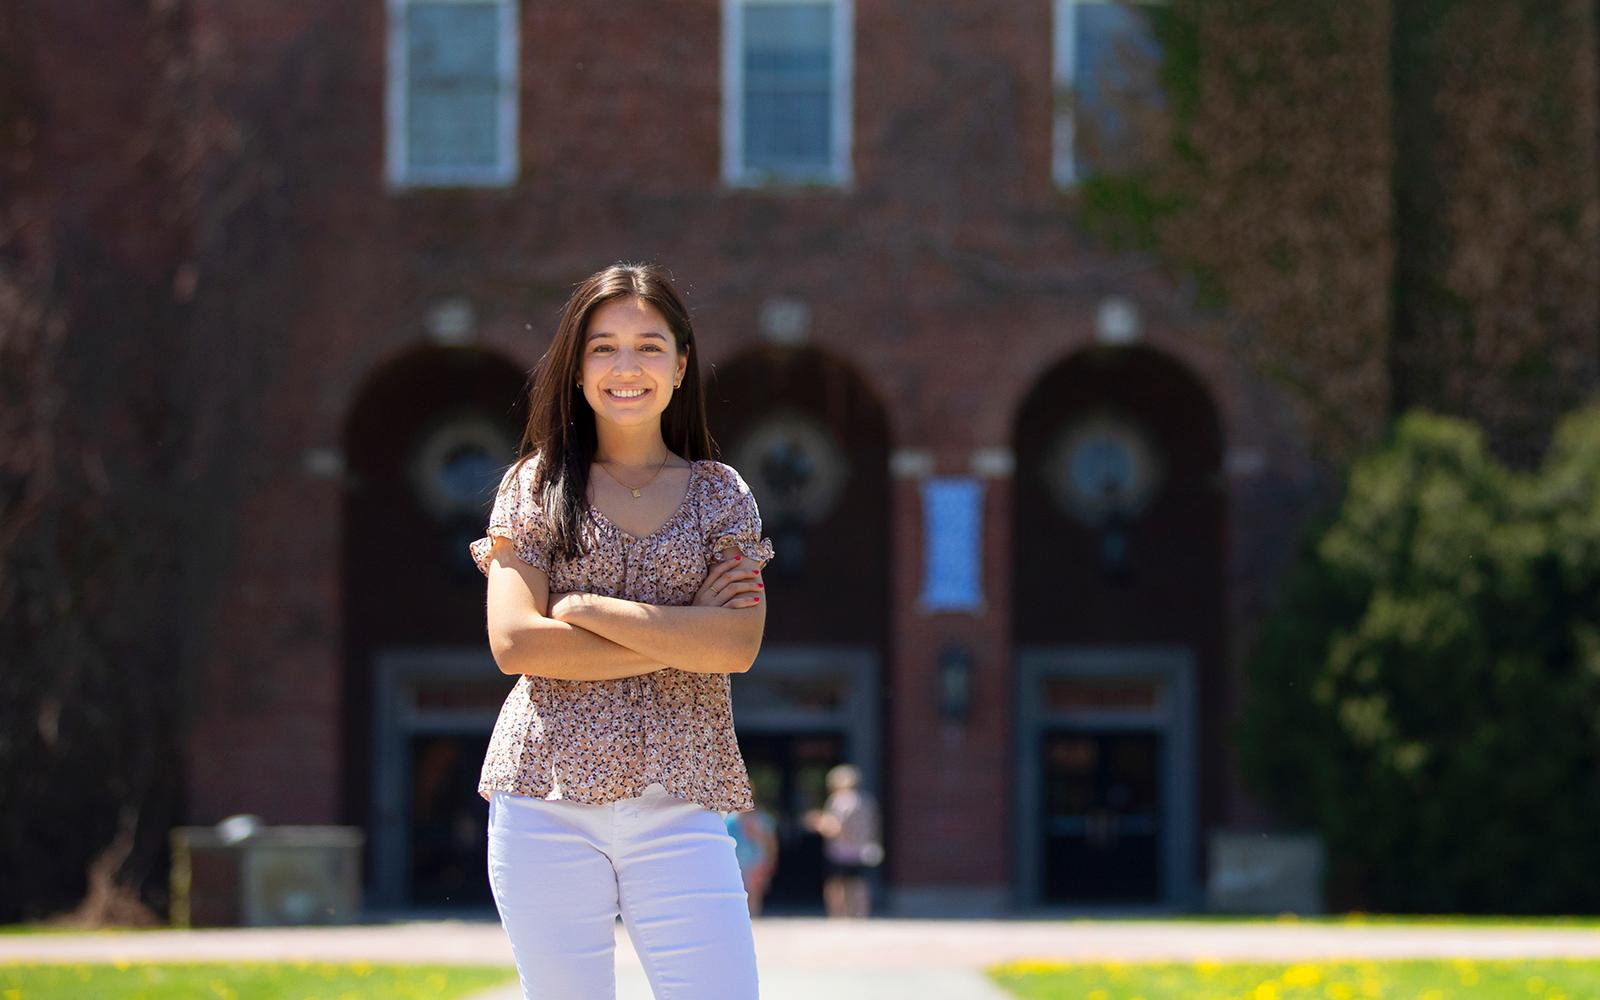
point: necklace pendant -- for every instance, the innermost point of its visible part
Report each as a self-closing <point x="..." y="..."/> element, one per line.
<point x="635" y="493"/>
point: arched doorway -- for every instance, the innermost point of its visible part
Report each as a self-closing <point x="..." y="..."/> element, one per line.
<point x="1118" y="630"/>
<point x="425" y="443"/>
<point x="812" y="441"/>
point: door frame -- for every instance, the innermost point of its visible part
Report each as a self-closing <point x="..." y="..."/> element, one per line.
<point x="856" y="667"/>
<point x="1174" y="668"/>
<point x="396" y="675"/>
<point x="856" y="717"/>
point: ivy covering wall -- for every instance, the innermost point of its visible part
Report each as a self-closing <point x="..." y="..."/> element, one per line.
<point x="1497" y="290"/>
<point x="1389" y="204"/>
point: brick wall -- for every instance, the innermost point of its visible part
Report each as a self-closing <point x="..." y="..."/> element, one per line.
<point x="949" y="277"/>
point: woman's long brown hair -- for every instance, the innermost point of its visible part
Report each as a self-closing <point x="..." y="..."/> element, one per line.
<point x="561" y="429"/>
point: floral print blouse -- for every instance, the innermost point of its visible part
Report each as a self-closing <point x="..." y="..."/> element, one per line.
<point x="603" y="740"/>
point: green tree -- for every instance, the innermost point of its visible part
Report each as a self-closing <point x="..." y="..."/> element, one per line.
<point x="1427" y="695"/>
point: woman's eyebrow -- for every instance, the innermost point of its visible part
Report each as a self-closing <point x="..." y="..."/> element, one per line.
<point x="648" y="333"/>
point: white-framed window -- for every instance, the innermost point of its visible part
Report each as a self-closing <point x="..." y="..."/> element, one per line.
<point x="1105" y="64"/>
<point x="787" y="67"/>
<point x="451" y="94"/>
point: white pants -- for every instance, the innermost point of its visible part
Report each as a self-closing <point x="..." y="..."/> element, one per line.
<point x="562" y="870"/>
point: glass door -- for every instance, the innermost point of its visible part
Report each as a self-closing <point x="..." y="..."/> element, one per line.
<point x="789" y="772"/>
<point x="1101" y="815"/>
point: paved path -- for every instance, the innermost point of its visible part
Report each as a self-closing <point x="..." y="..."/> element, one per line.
<point x="793" y="970"/>
<point x="834" y="984"/>
<point x="805" y="957"/>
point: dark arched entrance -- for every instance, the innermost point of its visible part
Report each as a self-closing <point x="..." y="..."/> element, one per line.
<point x="812" y="440"/>
<point x="1118" y="630"/>
<point x="425" y="443"/>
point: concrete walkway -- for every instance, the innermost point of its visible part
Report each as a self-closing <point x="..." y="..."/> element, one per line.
<point x="835" y="984"/>
<point x="807" y="957"/>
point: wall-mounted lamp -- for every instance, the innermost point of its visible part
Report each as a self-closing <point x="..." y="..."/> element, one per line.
<point x="955" y="683"/>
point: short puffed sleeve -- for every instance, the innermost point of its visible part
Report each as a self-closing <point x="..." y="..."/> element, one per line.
<point x="516" y="515"/>
<point x="734" y="519"/>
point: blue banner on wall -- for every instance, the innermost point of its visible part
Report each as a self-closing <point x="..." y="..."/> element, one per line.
<point x="952" y="543"/>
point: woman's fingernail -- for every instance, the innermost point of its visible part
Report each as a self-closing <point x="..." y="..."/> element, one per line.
<point x="761" y="585"/>
<point x="738" y="557"/>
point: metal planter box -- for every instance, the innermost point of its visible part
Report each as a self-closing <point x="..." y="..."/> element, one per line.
<point x="269" y="876"/>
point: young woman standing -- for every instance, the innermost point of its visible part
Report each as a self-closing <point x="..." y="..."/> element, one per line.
<point x="624" y="586"/>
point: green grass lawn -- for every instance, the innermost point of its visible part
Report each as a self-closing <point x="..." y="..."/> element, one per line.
<point x="1541" y="922"/>
<point x="246" y="981"/>
<point x="1446" y="979"/>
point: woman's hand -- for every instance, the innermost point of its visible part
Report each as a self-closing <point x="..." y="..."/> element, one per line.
<point x="731" y="583"/>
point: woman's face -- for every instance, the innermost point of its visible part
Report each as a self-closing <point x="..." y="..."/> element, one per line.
<point x="628" y="347"/>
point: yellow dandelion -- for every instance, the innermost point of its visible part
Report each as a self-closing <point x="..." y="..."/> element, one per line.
<point x="1339" y="991"/>
<point x="1304" y="974"/>
<point x="1099" y="995"/>
<point x="1266" y="991"/>
<point x="1032" y="966"/>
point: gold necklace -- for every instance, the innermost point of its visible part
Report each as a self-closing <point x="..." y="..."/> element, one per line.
<point x="635" y="489"/>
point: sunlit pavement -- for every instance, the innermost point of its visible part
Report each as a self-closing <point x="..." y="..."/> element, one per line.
<point x="833" y="984"/>
<point x="847" y="959"/>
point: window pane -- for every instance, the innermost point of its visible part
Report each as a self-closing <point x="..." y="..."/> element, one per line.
<point x="1114" y="72"/>
<point x="788" y="84"/>
<point x="453" y="90"/>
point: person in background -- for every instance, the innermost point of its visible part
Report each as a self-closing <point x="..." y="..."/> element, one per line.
<point x="853" y="842"/>
<point x="755" y="840"/>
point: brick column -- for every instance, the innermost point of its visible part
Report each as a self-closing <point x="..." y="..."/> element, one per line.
<point x="950" y="816"/>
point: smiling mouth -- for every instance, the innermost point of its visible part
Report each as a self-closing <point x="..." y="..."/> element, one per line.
<point x="632" y="394"/>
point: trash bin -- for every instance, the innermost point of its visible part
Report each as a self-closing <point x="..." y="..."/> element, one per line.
<point x="244" y="873"/>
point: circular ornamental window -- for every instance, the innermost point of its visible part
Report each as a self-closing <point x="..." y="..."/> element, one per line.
<point x="1102" y="467"/>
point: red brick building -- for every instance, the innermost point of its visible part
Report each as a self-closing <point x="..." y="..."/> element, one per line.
<point x="1025" y="516"/>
